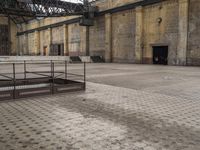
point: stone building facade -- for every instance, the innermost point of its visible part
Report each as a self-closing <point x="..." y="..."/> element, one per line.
<point x="128" y="31"/>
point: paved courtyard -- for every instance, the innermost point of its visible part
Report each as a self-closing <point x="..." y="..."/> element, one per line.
<point x="125" y="107"/>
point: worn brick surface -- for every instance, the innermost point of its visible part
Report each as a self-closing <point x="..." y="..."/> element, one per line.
<point x="163" y="116"/>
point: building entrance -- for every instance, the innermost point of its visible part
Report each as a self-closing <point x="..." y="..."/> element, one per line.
<point x="160" y="55"/>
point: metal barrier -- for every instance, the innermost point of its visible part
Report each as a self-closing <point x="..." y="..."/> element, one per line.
<point x="25" y="82"/>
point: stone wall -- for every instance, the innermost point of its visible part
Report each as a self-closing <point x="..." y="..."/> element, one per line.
<point x="108" y="4"/>
<point x="74" y="36"/>
<point x="57" y="35"/>
<point x="160" y="23"/>
<point x="45" y="40"/>
<point x="3" y="20"/>
<point x="123" y="36"/>
<point x="12" y="31"/>
<point x="193" y="52"/>
<point x="97" y="37"/>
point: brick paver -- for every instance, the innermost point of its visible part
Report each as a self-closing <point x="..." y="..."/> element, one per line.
<point x="108" y="117"/>
<point x="103" y="117"/>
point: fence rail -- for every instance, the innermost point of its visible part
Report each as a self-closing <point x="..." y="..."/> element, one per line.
<point x="24" y="81"/>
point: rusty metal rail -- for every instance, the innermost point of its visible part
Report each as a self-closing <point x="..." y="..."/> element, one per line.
<point x="29" y="82"/>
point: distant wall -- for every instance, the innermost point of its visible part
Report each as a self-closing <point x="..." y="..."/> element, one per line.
<point x="193" y="52"/>
<point x="125" y="36"/>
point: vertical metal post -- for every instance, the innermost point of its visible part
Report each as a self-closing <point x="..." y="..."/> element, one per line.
<point x="84" y="75"/>
<point x="51" y="68"/>
<point x="65" y="70"/>
<point x="14" y="81"/>
<point x="53" y="78"/>
<point x="24" y="69"/>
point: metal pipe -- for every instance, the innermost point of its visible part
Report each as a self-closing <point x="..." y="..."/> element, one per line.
<point x="53" y="78"/>
<point x="65" y="70"/>
<point x="14" y="81"/>
<point x="24" y="69"/>
<point x="6" y="76"/>
<point x="51" y="68"/>
<point x="51" y="84"/>
<point x="84" y="75"/>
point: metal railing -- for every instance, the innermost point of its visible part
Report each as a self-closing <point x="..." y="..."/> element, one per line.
<point x="40" y="78"/>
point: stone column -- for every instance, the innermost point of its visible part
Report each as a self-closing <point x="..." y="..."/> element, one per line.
<point x="66" y="47"/>
<point x="87" y="46"/>
<point x="183" y="32"/>
<point x="85" y="41"/>
<point x="36" y="42"/>
<point x="138" y="35"/>
<point x="49" y="41"/>
<point x="26" y="47"/>
<point x="108" y="38"/>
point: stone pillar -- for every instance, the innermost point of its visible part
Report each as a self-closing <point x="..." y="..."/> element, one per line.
<point x="26" y="47"/>
<point x="66" y="47"/>
<point x="108" y="38"/>
<point x="87" y="46"/>
<point x="36" y="42"/>
<point x="110" y="4"/>
<point x="85" y="41"/>
<point x="49" y="41"/>
<point x="183" y="32"/>
<point x="138" y="35"/>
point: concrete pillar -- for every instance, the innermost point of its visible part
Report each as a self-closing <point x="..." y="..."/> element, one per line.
<point x="26" y="47"/>
<point x="36" y="42"/>
<point x="87" y="46"/>
<point x="66" y="47"/>
<point x="110" y="4"/>
<point x="49" y="41"/>
<point x="138" y="35"/>
<point x="108" y="38"/>
<point x="85" y="41"/>
<point x="183" y="32"/>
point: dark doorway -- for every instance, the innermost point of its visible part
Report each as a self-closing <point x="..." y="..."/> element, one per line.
<point x="160" y="55"/>
<point x="57" y="50"/>
<point x="4" y="40"/>
<point x="44" y="50"/>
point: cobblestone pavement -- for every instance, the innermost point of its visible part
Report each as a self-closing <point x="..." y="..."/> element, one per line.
<point x="125" y="107"/>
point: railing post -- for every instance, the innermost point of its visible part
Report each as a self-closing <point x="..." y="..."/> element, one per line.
<point x="53" y="78"/>
<point x="65" y="70"/>
<point x="84" y="75"/>
<point x="51" y="68"/>
<point x="14" y="81"/>
<point x="24" y="69"/>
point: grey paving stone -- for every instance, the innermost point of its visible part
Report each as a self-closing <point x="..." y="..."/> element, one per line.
<point x="108" y="115"/>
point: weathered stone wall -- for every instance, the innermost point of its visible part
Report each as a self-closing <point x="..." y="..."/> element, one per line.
<point x="74" y="36"/>
<point x="193" y="52"/>
<point x="57" y="35"/>
<point x="116" y="3"/>
<point x="45" y="40"/>
<point x="12" y="31"/>
<point x="126" y="36"/>
<point x="108" y="4"/>
<point x="97" y="37"/>
<point x="160" y="23"/>
<point x="123" y="36"/>
<point x="3" y="20"/>
<point x="31" y="42"/>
